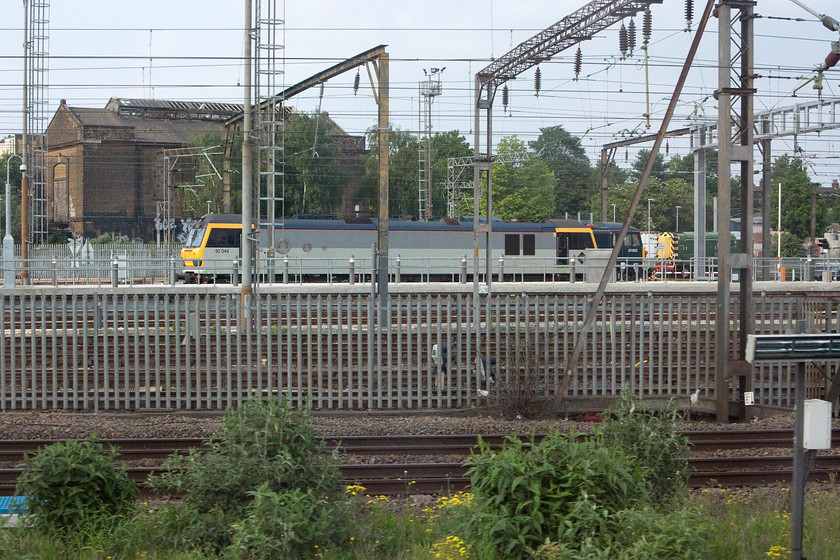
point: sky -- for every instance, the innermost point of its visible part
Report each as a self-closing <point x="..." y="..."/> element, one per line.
<point x="192" y="50"/>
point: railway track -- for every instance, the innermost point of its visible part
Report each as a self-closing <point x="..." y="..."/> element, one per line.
<point x="421" y="478"/>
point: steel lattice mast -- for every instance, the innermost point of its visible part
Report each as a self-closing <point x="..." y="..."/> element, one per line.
<point x="269" y="31"/>
<point x="37" y="43"/>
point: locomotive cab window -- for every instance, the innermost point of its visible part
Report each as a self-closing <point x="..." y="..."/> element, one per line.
<point x="222" y="237"/>
<point x="605" y="239"/>
<point x="195" y="237"/>
<point x="632" y="239"/>
<point x="511" y="244"/>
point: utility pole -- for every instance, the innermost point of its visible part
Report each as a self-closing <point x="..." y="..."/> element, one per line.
<point x="24" y="180"/>
<point x="246" y="291"/>
<point x="383" y="102"/>
<point x="735" y="144"/>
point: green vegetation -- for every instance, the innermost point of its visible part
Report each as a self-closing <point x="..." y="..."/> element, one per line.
<point x="74" y="485"/>
<point x="267" y="489"/>
<point x="651" y="438"/>
<point x="324" y="173"/>
<point x="265" y="474"/>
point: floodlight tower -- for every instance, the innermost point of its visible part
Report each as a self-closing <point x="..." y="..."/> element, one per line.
<point x="429" y="89"/>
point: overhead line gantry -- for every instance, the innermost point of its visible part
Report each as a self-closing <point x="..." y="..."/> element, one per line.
<point x="579" y="26"/>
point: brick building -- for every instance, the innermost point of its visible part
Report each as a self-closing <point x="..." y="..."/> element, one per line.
<point x="104" y="167"/>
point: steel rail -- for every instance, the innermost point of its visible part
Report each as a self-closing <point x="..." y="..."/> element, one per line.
<point x="13" y="451"/>
<point x="433" y="478"/>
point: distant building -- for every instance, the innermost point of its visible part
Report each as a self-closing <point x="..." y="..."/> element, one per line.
<point x="735" y="229"/>
<point x="11" y="144"/>
<point x="105" y="167"/>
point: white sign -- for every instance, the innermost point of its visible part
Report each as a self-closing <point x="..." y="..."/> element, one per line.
<point x="749" y="398"/>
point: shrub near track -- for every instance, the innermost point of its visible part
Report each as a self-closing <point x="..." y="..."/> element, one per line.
<point x="596" y="499"/>
<point x="74" y="485"/>
<point x="652" y="438"/>
<point x="250" y="485"/>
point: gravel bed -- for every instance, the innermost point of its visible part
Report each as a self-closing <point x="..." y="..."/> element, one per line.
<point x="64" y="424"/>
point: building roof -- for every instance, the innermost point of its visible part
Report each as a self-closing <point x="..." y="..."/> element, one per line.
<point x="160" y="121"/>
<point x="169" y="109"/>
<point x="167" y="122"/>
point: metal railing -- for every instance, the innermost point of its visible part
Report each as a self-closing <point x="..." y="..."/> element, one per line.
<point x="132" y="264"/>
<point x="185" y="347"/>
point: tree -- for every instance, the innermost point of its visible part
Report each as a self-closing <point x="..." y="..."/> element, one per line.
<point x="197" y="179"/>
<point x="567" y="160"/>
<point x="402" y="169"/>
<point x="792" y="245"/>
<point x="445" y="145"/>
<point x="522" y="191"/>
<point x="663" y="208"/>
<point x="616" y="178"/>
<point x="660" y="170"/>
<point x="796" y="198"/>
<point x="313" y="174"/>
<point x="683" y="167"/>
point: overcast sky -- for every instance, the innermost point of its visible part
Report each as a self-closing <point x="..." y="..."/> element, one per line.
<point x="191" y="50"/>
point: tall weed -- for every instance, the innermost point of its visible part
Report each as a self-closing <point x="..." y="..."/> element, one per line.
<point x="653" y="440"/>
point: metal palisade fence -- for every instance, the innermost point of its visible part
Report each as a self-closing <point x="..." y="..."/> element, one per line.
<point x="198" y="347"/>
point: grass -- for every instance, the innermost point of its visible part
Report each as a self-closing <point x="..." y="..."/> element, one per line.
<point x="742" y="525"/>
<point x="750" y="524"/>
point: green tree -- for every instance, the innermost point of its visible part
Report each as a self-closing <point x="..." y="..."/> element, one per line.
<point x="660" y="170"/>
<point x="402" y="169"/>
<point x="663" y="208"/>
<point x="796" y="198"/>
<point x="445" y="145"/>
<point x="566" y="158"/>
<point x="682" y="167"/>
<point x="522" y="191"/>
<point x="616" y="179"/>
<point x="792" y="246"/>
<point x="198" y="179"/>
<point x="313" y="175"/>
<point x="14" y="181"/>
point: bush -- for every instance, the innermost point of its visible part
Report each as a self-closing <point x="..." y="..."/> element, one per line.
<point x="291" y="524"/>
<point x="559" y="489"/>
<point x="636" y="534"/>
<point x="75" y="483"/>
<point x="260" y="443"/>
<point x="653" y="440"/>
